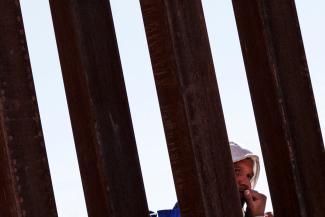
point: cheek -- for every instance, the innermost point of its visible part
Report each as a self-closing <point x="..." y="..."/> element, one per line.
<point x="238" y="180"/>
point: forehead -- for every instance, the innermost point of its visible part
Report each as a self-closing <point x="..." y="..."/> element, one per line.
<point x="245" y="163"/>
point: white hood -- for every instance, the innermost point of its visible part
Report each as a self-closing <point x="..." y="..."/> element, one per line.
<point x="238" y="153"/>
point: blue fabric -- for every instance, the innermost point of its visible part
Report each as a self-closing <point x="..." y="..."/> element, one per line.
<point x="169" y="213"/>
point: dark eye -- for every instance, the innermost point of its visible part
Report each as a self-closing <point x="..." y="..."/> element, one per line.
<point x="237" y="172"/>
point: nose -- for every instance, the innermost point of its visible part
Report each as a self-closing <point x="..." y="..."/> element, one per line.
<point x="244" y="183"/>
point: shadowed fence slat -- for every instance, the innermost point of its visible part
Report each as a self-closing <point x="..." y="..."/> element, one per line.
<point x="284" y="105"/>
<point x="191" y="109"/>
<point x="98" y="108"/>
<point x="25" y="183"/>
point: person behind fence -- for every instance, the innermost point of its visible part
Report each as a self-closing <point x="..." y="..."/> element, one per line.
<point x="247" y="169"/>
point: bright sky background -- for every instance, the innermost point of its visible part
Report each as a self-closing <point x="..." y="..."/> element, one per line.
<point x="142" y="94"/>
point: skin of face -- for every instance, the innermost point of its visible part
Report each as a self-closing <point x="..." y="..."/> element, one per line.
<point x="244" y="173"/>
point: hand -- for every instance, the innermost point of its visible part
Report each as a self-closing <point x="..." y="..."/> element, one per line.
<point x="255" y="203"/>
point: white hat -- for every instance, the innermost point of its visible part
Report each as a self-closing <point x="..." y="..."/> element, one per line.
<point x="238" y="153"/>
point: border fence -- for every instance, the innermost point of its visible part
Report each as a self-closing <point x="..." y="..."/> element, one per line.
<point x="190" y="105"/>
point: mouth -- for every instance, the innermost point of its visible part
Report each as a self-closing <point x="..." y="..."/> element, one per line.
<point x="241" y="191"/>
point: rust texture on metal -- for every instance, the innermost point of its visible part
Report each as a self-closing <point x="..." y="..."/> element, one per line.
<point x="25" y="183"/>
<point x="191" y="109"/>
<point x="98" y="106"/>
<point x="284" y="105"/>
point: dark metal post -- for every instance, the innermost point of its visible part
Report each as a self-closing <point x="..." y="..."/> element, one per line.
<point x="25" y="183"/>
<point x="98" y="108"/>
<point x="284" y="105"/>
<point x="191" y="109"/>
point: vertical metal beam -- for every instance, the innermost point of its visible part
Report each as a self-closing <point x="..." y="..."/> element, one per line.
<point x="191" y="109"/>
<point x="98" y="106"/>
<point x="25" y="183"/>
<point x="284" y="105"/>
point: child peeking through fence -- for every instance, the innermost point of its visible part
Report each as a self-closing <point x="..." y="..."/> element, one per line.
<point x="247" y="169"/>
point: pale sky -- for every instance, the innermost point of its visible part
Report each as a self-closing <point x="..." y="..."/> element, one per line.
<point x="142" y="94"/>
